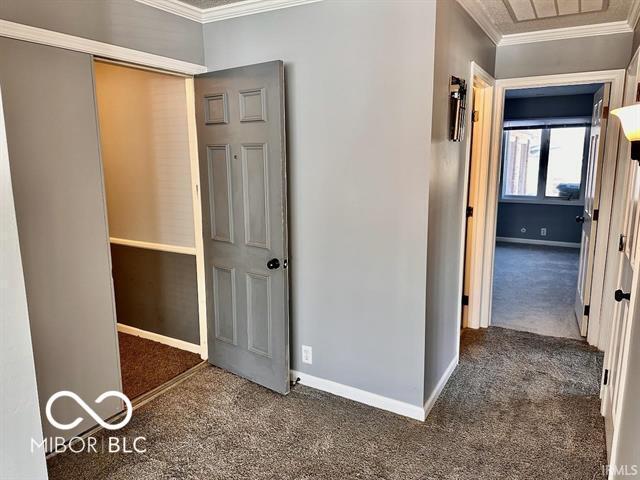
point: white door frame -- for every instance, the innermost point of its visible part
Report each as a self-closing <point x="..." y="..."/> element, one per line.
<point x="479" y="78"/>
<point x="197" y="217"/>
<point x="598" y="323"/>
<point x="137" y="58"/>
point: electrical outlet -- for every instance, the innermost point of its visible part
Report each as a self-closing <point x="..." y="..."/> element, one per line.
<point x="543" y="232"/>
<point x="307" y="354"/>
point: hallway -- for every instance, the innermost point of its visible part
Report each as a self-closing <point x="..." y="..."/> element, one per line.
<point x="518" y="406"/>
<point x="534" y="289"/>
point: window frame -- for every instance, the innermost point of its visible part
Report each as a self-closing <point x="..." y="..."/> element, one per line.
<point x="543" y="167"/>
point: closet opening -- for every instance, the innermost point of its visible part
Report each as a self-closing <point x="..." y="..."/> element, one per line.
<point x="150" y="178"/>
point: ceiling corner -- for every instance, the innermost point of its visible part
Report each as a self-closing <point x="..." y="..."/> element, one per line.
<point x="175" y="7"/>
<point x="634" y="14"/>
<point x="222" y="12"/>
<point x="477" y="13"/>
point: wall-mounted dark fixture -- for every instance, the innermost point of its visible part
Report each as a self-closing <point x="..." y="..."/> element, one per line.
<point x="457" y="108"/>
<point x="630" y="120"/>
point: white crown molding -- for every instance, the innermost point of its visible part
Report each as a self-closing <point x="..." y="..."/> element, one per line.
<point x="482" y="18"/>
<point x="248" y="7"/>
<point x="477" y="13"/>
<point x="566" y="33"/>
<point x="177" y="8"/>
<point x="223" y="12"/>
<point x="84" y="45"/>
<point x="634" y="14"/>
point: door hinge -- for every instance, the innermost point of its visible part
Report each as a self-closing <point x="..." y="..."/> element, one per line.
<point x="621" y="243"/>
<point x="465" y="300"/>
<point x="475" y="116"/>
<point x="638" y="92"/>
<point x="605" y="113"/>
<point x="469" y="212"/>
<point x="587" y="308"/>
<point x="596" y="215"/>
<point x="605" y="380"/>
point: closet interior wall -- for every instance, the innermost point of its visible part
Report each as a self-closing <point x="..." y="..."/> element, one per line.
<point x="144" y="135"/>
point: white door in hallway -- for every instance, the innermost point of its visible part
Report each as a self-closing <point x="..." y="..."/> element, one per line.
<point x="241" y="146"/>
<point x="591" y="204"/>
<point x="472" y="196"/>
<point x="626" y="294"/>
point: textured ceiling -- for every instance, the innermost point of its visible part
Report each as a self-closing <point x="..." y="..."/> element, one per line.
<point x="209" y="3"/>
<point x="501" y="13"/>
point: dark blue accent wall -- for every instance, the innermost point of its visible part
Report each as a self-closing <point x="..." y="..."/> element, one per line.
<point x="548" y="107"/>
<point x="559" y="220"/>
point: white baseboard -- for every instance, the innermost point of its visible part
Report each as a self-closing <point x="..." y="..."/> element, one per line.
<point x="361" y="396"/>
<point x="156" y="337"/>
<point x="428" y="405"/>
<point x="532" y="241"/>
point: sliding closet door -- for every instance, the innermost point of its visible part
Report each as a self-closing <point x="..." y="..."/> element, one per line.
<point x="53" y="144"/>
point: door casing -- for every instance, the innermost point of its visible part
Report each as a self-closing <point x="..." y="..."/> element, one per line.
<point x="476" y="167"/>
<point x="616" y="359"/>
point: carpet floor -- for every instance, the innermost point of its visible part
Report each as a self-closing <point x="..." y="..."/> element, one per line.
<point x="534" y="289"/>
<point x="518" y="406"/>
<point x="146" y="364"/>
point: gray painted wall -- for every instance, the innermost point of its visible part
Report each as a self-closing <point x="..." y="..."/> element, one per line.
<point x="57" y="181"/>
<point x="125" y="23"/>
<point x="20" y="415"/>
<point x="358" y="80"/>
<point x="571" y="55"/>
<point x="458" y="42"/>
<point x="156" y="291"/>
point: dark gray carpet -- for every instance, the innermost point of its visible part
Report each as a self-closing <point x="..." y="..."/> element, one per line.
<point x="534" y="289"/>
<point x="146" y="364"/>
<point x="519" y="406"/>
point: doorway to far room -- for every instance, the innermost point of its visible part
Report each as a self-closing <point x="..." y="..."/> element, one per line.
<point x="548" y="198"/>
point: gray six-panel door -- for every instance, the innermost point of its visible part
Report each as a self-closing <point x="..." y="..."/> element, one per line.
<point x="241" y="146"/>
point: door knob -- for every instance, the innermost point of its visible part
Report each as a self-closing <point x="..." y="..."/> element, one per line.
<point x="273" y="264"/>
<point x="579" y="219"/>
<point x="620" y="295"/>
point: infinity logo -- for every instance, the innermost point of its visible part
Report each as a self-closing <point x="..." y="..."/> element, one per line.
<point x="89" y="410"/>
